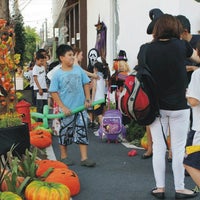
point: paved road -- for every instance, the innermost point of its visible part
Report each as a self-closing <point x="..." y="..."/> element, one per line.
<point x="116" y="176"/>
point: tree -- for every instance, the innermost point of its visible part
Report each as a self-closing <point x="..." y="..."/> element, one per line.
<point x="31" y="40"/>
<point x="4" y="9"/>
<point x="19" y="36"/>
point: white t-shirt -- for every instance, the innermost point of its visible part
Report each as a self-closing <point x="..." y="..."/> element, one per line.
<point x="194" y="92"/>
<point x="100" y="90"/>
<point x="40" y="72"/>
<point x="50" y="74"/>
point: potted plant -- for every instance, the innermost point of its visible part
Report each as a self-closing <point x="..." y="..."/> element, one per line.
<point x="12" y="130"/>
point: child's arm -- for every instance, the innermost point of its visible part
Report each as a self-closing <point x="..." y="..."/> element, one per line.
<point x="57" y="99"/>
<point x="38" y="85"/>
<point x="92" y="75"/>
<point x="94" y="88"/>
<point x="193" y="102"/>
<point x="87" y="95"/>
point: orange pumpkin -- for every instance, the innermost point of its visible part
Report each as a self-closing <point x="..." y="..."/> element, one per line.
<point x="4" y="186"/>
<point x="38" y="190"/>
<point x="144" y="142"/>
<point x="67" y="177"/>
<point x="40" y="132"/>
<point x="44" y="165"/>
<point x="40" y="141"/>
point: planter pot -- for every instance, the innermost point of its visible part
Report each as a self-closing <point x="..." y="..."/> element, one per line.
<point x="17" y="136"/>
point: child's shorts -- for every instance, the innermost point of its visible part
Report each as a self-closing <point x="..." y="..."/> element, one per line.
<point x="74" y="129"/>
<point x="192" y="158"/>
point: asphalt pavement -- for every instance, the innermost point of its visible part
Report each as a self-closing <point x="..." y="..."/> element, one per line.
<point x="116" y="175"/>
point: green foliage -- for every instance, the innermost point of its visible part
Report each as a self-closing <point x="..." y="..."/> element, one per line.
<point x="135" y="131"/>
<point x="31" y="41"/>
<point x="19" y="37"/>
<point x="197" y="1"/>
<point x="10" y="120"/>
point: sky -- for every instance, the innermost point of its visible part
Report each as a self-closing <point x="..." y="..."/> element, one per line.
<point x="36" y="12"/>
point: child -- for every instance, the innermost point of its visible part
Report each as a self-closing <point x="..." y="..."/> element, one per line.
<point x="192" y="159"/>
<point x="39" y="85"/>
<point x="69" y="88"/>
<point x="98" y="90"/>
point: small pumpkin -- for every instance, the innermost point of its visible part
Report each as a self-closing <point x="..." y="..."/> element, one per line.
<point x="144" y="142"/>
<point x="44" y="165"/>
<point x="46" y="191"/>
<point x="40" y="141"/>
<point x="4" y="186"/>
<point x="67" y="177"/>
<point x="9" y="196"/>
<point x="40" y="132"/>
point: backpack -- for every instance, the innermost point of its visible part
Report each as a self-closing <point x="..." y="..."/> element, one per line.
<point x="138" y="99"/>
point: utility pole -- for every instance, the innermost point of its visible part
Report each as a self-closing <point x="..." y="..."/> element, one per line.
<point x="4" y="9"/>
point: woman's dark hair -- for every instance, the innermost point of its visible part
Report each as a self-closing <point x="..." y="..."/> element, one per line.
<point x="101" y="68"/>
<point x="167" y="27"/>
<point x="62" y="49"/>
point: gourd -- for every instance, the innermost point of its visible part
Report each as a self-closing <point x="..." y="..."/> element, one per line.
<point x="144" y="142"/>
<point x="9" y="196"/>
<point x="41" y="190"/>
<point x="67" y="177"/>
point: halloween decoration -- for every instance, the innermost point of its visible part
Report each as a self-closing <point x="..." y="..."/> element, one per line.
<point x="93" y="54"/>
<point x="44" y="165"/>
<point x="42" y="190"/>
<point x="67" y="177"/>
<point x="101" y="38"/>
<point x="154" y="14"/>
<point x="40" y="140"/>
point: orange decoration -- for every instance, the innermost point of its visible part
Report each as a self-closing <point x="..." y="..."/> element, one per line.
<point x="44" y="165"/>
<point x="67" y="177"/>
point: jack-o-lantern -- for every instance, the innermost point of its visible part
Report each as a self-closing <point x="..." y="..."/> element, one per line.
<point x="40" y="141"/>
<point x="44" y="165"/>
<point x="67" y="177"/>
<point x="40" y="132"/>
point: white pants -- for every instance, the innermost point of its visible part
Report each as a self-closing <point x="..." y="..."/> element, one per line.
<point x="178" y="123"/>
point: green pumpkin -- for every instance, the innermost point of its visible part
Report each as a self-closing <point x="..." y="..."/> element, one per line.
<point x="46" y="191"/>
<point x="9" y="196"/>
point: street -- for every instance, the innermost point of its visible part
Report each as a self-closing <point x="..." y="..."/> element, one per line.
<point x="116" y="175"/>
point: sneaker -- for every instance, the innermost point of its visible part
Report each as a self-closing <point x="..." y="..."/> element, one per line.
<point x="96" y="133"/>
<point x="88" y="163"/>
<point x="67" y="161"/>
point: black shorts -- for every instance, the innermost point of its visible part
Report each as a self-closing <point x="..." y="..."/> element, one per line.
<point x="193" y="160"/>
<point x="99" y="110"/>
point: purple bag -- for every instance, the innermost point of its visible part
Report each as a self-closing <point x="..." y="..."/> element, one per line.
<point x="112" y="125"/>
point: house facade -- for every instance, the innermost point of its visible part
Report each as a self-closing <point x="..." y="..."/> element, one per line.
<point x="126" y="22"/>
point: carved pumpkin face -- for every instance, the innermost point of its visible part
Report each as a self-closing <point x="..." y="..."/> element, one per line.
<point x="44" y="165"/>
<point x="67" y="177"/>
<point x="40" y="141"/>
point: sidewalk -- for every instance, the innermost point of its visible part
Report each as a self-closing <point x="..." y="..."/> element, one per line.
<point x="116" y="175"/>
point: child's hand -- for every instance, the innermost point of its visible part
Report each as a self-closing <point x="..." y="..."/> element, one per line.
<point x="66" y="111"/>
<point x="88" y="103"/>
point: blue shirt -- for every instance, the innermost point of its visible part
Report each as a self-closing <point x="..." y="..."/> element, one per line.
<point x="69" y="85"/>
